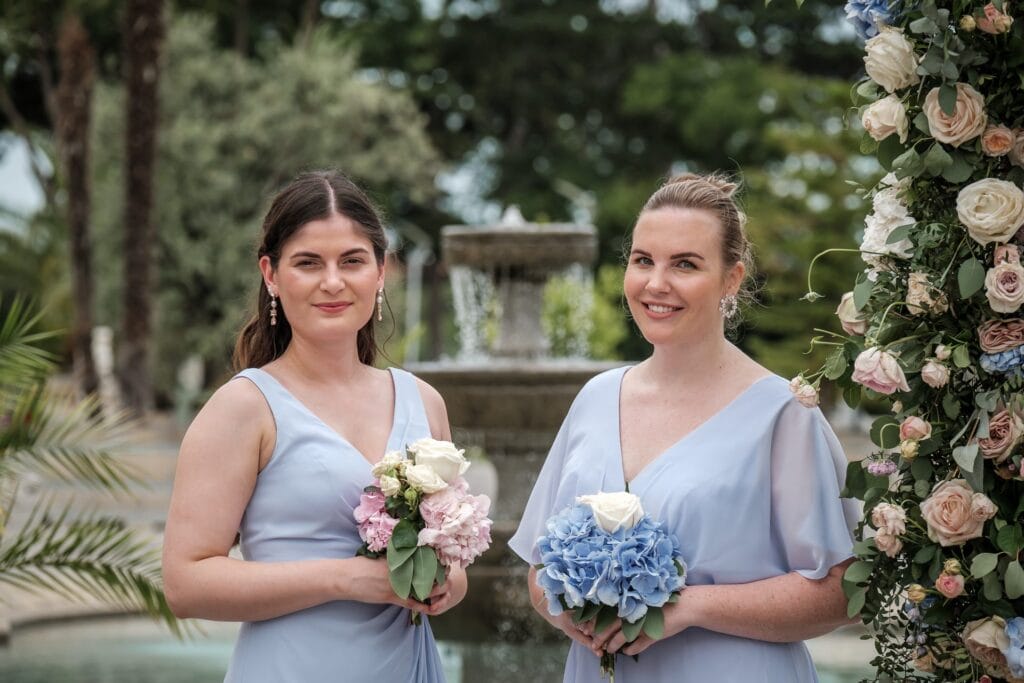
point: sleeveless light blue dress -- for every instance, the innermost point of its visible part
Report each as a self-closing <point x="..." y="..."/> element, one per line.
<point x="751" y="493"/>
<point x="301" y="508"/>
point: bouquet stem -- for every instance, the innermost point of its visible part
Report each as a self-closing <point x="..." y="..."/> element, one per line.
<point x="608" y="666"/>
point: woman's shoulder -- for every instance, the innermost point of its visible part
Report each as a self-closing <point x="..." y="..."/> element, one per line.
<point x="605" y="381"/>
<point x="241" y="397"/>
<point x="433" y="405"/>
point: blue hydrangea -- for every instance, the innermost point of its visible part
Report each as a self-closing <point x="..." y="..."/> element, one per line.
<point x="866" y="15"/>
<point x="1004" y="362"/>
<point x="630" y="570"/>
<point x="1015" y="652"/>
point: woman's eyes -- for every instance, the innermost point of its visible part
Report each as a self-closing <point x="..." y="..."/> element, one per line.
<point x="684" y="264"/>
<point x="352" y="261"/>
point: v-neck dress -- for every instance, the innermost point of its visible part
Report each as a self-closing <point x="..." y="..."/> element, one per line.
<point x="751" y="493"/>
<point x="301" y="508"/>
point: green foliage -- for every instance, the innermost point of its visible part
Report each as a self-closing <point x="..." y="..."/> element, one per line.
<point x="45" y="433"/>
<point x="232" y="131"/>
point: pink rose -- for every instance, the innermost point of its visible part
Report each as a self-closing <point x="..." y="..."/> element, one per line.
<point x="889" y="544"/>
<point x="955" y="513"/>
<point x="375" y="525"/>
<point x="993" y="21"/>
<point x="889" y="518"/>
<point x="934" y="373"/>
<point x="967" y="121"/>
<point x="1004" y="431"/>
<point x="1004" y="283"/>
<point x="852" y="321"/>
<point x="1001" y="335"/>
<point x="950" y="585"/>
<point x="879" y="370"/>
<point x="804" y="391"/>
<point x="997" y="140"/>
<point x="915" y="428"/>
<point x="457" y="526"/>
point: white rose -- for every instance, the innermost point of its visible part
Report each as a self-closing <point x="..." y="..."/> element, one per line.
<point x="942" y="352"/>
<point x="390" y="486"/>
<point x="441" y="456"/>
<point x="390" y="461"/>
<point x="851" y="321"/>
<point x="614" y="511"/>
<point x="885" y="117"/>
<point x="935" y="374"/>
<point x="967" y="121"/>
<point x="890" y="60"/>
<point x="424" y="478"/>
<point x="804" y="391"/>
<point x="992" y="210"/>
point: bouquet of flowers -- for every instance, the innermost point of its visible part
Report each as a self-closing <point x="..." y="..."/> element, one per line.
<point x="420" y="516"/>
<point x="933" y="330"/>
<point x="603" y="559"/>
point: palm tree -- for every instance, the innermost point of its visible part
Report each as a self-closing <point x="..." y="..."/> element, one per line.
<point x="49" y="433"/>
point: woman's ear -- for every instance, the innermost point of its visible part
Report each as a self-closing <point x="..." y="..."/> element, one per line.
<point x="269" y="274"/>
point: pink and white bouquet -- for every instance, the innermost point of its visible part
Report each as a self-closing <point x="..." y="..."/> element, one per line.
<point x="420" y="516"/>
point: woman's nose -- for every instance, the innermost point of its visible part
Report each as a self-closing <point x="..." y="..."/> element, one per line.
<point x="332" y="280"/>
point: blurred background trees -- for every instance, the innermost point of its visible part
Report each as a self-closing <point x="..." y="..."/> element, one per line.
<point x="448" y="110"/>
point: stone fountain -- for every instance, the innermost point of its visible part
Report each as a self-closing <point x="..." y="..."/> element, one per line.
<point x="506" y="392"/>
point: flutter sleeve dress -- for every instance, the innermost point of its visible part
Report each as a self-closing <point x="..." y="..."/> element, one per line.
<point x="302" y="508"/>
<point x="751" y="493"/>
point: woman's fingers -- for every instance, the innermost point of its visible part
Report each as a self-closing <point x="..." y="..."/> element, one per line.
<point x="439" y="590"/>
<point x="604" y="637"/>
<point x="638" y="645"/>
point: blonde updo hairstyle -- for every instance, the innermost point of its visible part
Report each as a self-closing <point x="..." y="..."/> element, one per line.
<point x="714" y="193"/>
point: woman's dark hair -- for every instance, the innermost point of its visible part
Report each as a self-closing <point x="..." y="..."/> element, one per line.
<point x="312" y="196"/>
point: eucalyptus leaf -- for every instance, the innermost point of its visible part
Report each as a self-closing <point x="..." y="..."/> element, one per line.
<point x="961" y="356"/>
<point x="654" y="623"/>
<point x="899" y="234"/>
<point x="936" y="159"/>
<point x="908" y="164"/>
<point x="888" y="150"/>
<point x="398" y="556"/>
<point x="959" y="171"/>
<point x="922" y="487"/>
<point x="947" y="98"/>
<point x="924" y="25"/>
<point x="885" y="432"/>
<point x="836" y="364"/>
<point x="632" y="629"/>
<point x="983" y="564"/>
<point x="951" y="406"/>
<point x="976" y="477"/>
<point x="404" y="535"/>
<point x="964" y="456"/>
<point x="1014" y="580"/>
<point x="970" y="277"/>
<point x="401" y="579"/>
<point x="925" y="554"/>
<point x="949" y="71"/>
<point x="921" y="469"/>
<point x="858" y="572"/>
<point x="991" y="587"/>
<point x="862" y="293"/>
<point x="1010" y="539"/>
<point x="856" y="603"/>
<point x="424" y="571"/>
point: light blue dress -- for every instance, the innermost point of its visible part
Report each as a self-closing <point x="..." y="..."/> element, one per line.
<point x="751" y="493"/>
<point x="301" y="508"/>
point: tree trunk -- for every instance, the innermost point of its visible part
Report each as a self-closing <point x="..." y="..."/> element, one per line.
<point x="144" y="33"/>
<point x="308" y="22"/>
<point x="242" y="22"/>
<point x="77" y="60"/>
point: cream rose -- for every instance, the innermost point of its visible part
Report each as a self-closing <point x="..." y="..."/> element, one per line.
<point x="922" y="297"/>
<point x="992" y="210"/>
<point x="852" y="322"/>
<point x="879" y="370"/>
<point x="934" y="373"/>
<point x="888" y="543"/>
<point x="997" y="141"/>
<point x="967" y="121"/>
<point x="885" y="117"/>
<point x="955" y="513"/>
<point x="890" y="60"/>
<point x="390" y="486"/>
<point x="993" y="21"/>
<point x="915" y="428"/>
<point x="986" y="639"/>
<point x="1004" y="432"/>
<point x="441" y="456"/>
<point x="391" y="460"/>
<point x="942" y="352"/>
<point x="804" y="391"/>
<point x="614" y="511"/>
<point x="1004" y="287"/>
<point x="889" y="518"/>
<point x="424" y="478"/>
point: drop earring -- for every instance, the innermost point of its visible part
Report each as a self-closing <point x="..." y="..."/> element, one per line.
<point x="380" y="304"/>
<point x="273" y="307"/>
<point x="728" y="305"/>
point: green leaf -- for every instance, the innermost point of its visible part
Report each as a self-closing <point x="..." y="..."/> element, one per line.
<point x="936" y="159"/>
<point x="964" y="456"/>
<point x="632" y="630"/>
<point x="921" y="123"/>
<point x="925" y="554"/>
<point x="398" y="556"/>
<point x="586" y="613"/>
<point x="861" y="293"/>
<point x="921" y="469"/>
<point x="959" y="171"/>
<point x="908" y="164"/>
<point x="949" y="71"/>
<point x="858" y="572"/>
<point x="888" y="150"/>
<point x="867" y="90"/>
<point x="423" y="573"/>
<point x="991" y="588"/>
<point x="852" y="395"/>
<point x="924" y="25"/>
<point x="401" y="579"/>
<point x="1010" y="539"/>
<point x="961" y="356"/>
<point x="947" y="98"/>
<point x="922" y="487"/>
<point x="951" y="406"/>
<point x="404" y="535"/>
<point x="970" y="277"/>
<point x="1014" y="580"/>
<point x="605" y="618"/>
<point x="856" y="483"/>
<point x="885" y="432"/>
<point x="856" y="603"/>
<point x="983" y="564"/>
<point x="976" y="477"/>
<point x="836" y="364"/>
<point x="899" y="233"/>
<point x="442" y="576"/>
<point x="654" y="623"/>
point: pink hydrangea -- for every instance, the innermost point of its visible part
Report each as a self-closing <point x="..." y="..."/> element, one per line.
<point x="457" y="527"/>
<point x="375" y="525"/>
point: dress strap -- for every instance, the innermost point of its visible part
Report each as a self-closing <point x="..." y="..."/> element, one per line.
<point x="411" y="422"/>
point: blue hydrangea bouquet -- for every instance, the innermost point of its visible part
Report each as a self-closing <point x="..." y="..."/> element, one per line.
<point x="605" y="559"/>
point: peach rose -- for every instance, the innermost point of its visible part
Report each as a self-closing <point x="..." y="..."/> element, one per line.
<point x="955" y="513"/>
<point x="879" y="370"/>
<point x="852" y="322"/>
<point x="804" y="391"/>
<point x="992" y="210"/>
<point x="934" y="373"/>
<point x="890" y="60"/>
<point x="1004" y="432"/>
<point x="915" y="428"/>
<point x="950" y="585"/>
<point x="993" y="21"/>
<point x="887" y="543"/>
<point x="986" y="639"/>
<point x="923" y="297"/>
<point x="1001" y="335"/>
<point x="885" y="117"/>
<point x="967" y="121"/>
<point x="997" y="140"/>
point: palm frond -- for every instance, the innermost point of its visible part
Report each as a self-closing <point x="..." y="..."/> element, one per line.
<point x="22" y="361"/>
<point x="82" y="557"/>
<point x="54" y="434"/>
